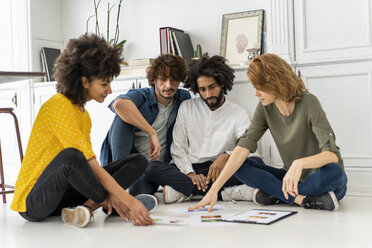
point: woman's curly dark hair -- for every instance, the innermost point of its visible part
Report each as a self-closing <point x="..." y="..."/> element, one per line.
<point x="167" y="66"/>
<point x="215" y="67"/>
<point x="88" y="56"/>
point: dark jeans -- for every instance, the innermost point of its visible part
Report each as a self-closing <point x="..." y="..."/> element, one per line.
<point x="143" y="186"/>
<point x="257" y="174"/>
<point x="69" y="181"/>
<point x="162" y="173"/>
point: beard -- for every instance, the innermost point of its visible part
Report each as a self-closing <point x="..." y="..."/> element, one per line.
<point x="218" y="100"/>
<point x="162" y="93"/>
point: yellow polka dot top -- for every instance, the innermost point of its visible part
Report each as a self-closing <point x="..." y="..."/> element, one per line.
<point x="59" y="125"/>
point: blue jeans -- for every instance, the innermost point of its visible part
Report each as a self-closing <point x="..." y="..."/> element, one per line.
<point x="118" y="142"/>
<point x="257" y="174"/>
<point x="117" y="145"/>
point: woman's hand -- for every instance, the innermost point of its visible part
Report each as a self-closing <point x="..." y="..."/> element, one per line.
<point x="209" y="199"/>
<point x="291" y="179"/>
<point x="121" y="208"/>
<point x="138" y="213"/>
<point x="155" y="147"/>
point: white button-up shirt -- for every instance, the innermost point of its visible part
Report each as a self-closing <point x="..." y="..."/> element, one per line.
<point x="201" y="135"/>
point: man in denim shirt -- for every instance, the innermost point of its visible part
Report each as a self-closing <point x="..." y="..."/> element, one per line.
<point x="145" y="118"/>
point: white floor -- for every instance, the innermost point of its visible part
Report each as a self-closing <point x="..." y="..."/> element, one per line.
<point x="349" y="226"/>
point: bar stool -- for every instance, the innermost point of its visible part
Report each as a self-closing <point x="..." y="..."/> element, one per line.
<point x="4" y="186"/>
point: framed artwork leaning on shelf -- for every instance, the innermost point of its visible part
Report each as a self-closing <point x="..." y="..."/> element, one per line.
<point x="239" y="32"/>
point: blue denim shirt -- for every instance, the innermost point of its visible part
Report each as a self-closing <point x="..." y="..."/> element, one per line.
<point x="119" y="140"/>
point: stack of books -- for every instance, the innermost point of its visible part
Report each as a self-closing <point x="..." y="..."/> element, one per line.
<point x="136" y="67"/>
<point x="133" y="71"/>
<point x="176" y="41"/>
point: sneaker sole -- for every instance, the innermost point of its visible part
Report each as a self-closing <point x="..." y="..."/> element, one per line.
<point x="164" y="195"/>
<point x="149" y="208"/>
<point x="254" y="197"/>
<point x="334" y="199"/>
<point x="78" y="216"/>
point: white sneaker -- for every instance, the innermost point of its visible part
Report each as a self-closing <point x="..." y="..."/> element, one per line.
<point x="237" y="193"/>
<point x="170" y="195"/>
<point x="79" y="216"/>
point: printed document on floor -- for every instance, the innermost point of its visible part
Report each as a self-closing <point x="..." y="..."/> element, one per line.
<point x="166" y="220"/>
<point x="260" y="216"/>
<point x="216" y="208"/>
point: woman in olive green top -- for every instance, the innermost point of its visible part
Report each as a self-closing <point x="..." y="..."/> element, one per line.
<point x="313" y="174"/>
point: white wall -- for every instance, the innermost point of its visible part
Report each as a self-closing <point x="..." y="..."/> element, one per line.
<point x="46" y="28"/>
<point x="14" y="42"/>
<point x="6" y="60"/>
<point x="141" y="19"/>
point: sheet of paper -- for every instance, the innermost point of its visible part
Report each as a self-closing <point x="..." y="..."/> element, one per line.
<point x="216" y="208"/>
<point x="170" y="220"/>
<point x="210" y="220"/>
<point x="195" y="220"/>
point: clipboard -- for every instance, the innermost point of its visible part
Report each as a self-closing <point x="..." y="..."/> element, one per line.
<point x="260" y="216"/>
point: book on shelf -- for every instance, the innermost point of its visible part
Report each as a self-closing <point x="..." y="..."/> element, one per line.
<point x="171" y="42"/>
<point x="140" y="62"/>
<point x="176" y="41"/>
<point x="165" y="43"/>
<point x="48" y="59"/>
<point x="183" y="45"/>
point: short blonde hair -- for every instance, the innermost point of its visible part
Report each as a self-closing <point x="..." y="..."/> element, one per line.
<point x="270" y="73"/>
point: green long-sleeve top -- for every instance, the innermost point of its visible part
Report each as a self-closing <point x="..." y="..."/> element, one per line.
<point x="304" y="133"/>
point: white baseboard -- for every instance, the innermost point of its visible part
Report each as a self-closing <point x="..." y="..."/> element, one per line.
<point x="359" y="191"/>
<point x="359" y="181"/>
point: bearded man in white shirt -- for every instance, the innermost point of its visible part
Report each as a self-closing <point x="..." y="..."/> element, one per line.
<point x="206" y="130"/>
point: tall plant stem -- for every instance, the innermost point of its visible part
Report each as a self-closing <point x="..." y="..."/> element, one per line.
<point x="108" y="21"/>
<point x="90" y="17"/>
<point x="96" y="13"/>
<point x="117" y="24"/>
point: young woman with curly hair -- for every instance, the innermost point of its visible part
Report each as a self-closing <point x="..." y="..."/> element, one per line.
<point x="60" y="172"/>
<point x="313" y="175"/>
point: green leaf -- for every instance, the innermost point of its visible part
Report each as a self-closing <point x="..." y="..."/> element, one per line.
<point x="111" y="42"/>
<point x="121" y="43"/>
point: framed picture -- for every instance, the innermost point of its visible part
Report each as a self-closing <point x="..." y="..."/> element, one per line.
<point x="241" y="31"/>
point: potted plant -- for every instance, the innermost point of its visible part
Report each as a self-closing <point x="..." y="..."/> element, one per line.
<point x="111" y="41"/>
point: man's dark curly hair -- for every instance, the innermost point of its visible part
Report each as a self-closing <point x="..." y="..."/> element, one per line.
<point x="88" y="56"/>
<point x="167" y="66"/>
<point x="215" y="67"/>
